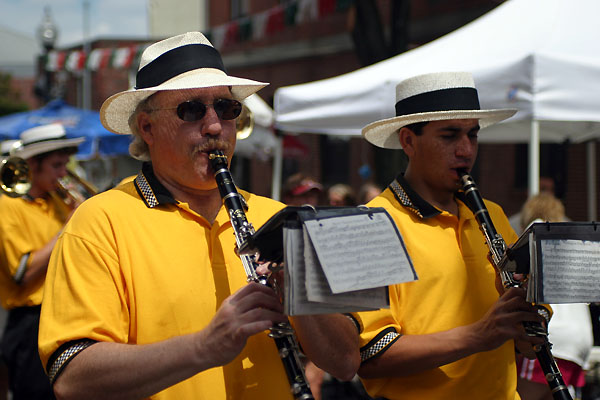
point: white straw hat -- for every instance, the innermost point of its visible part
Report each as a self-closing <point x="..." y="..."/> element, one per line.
<point x="187" y="61"/>
<point x="7" y="147"/>
<point x="44" y="138"/>
<point x="432" y="97"/>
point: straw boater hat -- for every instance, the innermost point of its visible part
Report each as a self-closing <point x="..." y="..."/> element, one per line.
<point x="432" y="97"/>
<point x="187" y="61"/>
<point x="7" y="147"/>
<point x="43" y="139"/>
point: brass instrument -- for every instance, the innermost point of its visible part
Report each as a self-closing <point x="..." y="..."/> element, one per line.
<point x="15" y="177"/>
<point x="244" y="124"/>
<point x="74" y="190"/>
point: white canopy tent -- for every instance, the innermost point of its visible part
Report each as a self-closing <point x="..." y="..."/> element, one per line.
<point x="539" y="56"/>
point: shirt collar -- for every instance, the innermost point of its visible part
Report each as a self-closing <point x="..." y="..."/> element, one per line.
<point x="150" y="189"/>
<point x="410" y="199"/>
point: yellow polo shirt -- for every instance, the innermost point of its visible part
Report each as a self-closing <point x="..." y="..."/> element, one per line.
<point x="135" y="266"/>
<point x="455" y="288"/>
<point x="26" y="225"/>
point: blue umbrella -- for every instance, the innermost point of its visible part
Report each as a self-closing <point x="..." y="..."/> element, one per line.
<point x="77" y="123"/>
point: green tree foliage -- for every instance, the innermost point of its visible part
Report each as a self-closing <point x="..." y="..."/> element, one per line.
<point x="10" y="101"/>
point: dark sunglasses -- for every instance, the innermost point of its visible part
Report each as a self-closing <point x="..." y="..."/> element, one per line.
<point x="194" y="110"/>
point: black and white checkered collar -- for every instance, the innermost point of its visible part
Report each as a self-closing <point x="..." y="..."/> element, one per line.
<point x="410" y="199"/>
<point x="150" y="189"/>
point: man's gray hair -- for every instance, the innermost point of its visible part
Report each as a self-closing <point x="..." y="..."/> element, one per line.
<point x="138" y="148"/>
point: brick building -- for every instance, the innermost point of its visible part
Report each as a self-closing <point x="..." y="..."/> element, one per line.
<point x="335" y="37"/>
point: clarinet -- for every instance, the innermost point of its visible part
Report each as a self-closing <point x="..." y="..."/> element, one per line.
<point x="497" y="248"/>
<point x="281" y="333"/>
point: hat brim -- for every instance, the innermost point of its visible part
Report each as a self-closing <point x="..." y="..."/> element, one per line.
<point x="116" y="110"/>
<point x="44" y="147"/>
<point x="383" y="133"/>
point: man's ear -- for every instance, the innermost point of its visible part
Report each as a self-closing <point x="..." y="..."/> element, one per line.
<point x="144" y="123"/>
<point x="407" y="140"/>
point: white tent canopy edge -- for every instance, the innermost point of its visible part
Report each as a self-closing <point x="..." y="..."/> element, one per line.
<point x="539" y="56"/>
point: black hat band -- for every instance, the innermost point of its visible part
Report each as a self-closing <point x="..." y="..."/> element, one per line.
<point x="463" y="98"/>
<point x="52" y="139"/>
<point x="177" y="61"/>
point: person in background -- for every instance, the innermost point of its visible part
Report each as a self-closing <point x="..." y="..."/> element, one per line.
<point x="368" y="192"/>
<point x="5" y="149"/>
<point x="341" y="195"/>
<point x="29" y="228"/>
<point x="450" y="334"/>
<point x="570" y="329"/>
<point x="546" y="186"/>
<point x="146" y="296"/>
<point x="300" y="189"/>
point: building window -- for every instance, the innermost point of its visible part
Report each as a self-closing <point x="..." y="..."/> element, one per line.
<point x="239" y="8"/>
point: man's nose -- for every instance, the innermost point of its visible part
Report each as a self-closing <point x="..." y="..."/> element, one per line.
<point x="211" y="123"/>
<point x="466" y="147"/>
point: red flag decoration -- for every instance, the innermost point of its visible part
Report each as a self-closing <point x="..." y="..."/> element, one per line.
<point x="275" y="20"/>
<point x="123" y="57"/>
<point x="252" y="27"/>
<point x="326" y="7"/>
<point x="294" y="148"/>
<point x="72" y="60"/>
<point x="232" y="33"/>
<point x="55" y="61"/>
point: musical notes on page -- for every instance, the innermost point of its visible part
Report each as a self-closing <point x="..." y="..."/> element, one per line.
<point x="571" y="270"/>
<point x="360" y="251"/>
<point x="342" y="263"/>
<point x="562" y="260"/>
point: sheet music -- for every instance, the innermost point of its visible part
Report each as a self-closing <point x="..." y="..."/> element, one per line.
<point x="571" y="271"/>
<point x="360" y="251"/>
<point x="318" y="289"/>
<point x="295" y="297"/>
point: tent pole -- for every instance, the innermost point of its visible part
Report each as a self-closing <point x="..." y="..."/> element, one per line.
<point x="277" y="168"/>
<point x="534" y="158"/>
<point x="591" y="180"/>
<point x="86" y="78"/>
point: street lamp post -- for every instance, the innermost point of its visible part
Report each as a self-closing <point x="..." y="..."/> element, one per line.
<point x="47" y="34"/>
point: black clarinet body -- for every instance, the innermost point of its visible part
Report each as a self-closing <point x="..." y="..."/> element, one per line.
<point x="497" y="248"/>
<point x="282" y="333"/>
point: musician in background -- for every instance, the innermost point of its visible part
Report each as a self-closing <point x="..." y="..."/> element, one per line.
<point x="5" y="147"/>
<point x="450" y="334"/>
<point x="29" y="227"/>
<point x="145" y="296"/>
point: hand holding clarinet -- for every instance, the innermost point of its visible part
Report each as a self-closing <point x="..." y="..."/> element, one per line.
<point x="536" y="332"/>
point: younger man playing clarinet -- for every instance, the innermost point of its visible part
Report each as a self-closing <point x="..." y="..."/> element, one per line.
<point x="448" y="335"/>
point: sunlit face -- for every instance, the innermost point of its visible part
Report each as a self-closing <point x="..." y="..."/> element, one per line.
<point x="179" y="149"/>
<point x="48" y="171"/>
<point x="443" y="148"/>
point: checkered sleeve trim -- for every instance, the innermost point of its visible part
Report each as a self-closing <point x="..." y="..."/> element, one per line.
<point x="65" y="355"/>
<point x="379" y="344"/>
